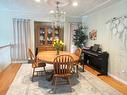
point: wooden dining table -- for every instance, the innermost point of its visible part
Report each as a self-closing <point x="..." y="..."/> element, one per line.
<point x="49" y="56"/>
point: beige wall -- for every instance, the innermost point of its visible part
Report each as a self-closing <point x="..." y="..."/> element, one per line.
<point x="5" y="59"/>
<point x="117" y="51"/>
<point x="67" y="35"/>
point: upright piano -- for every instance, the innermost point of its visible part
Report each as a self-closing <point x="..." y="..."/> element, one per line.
<point x="96" y="59"/>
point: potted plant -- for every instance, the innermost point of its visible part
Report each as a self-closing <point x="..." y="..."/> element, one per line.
<point x="80" y="37"/>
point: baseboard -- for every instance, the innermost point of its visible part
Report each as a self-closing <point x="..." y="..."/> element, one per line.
<point x="124" y="82"/>
<point x="3" y="67"/>
<point x="3" y="70"/>
<point x="19" y="61"/>
<point x="0" y="72"/>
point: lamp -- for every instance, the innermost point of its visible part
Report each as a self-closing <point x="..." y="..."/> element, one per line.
<point x="57" y="16"/>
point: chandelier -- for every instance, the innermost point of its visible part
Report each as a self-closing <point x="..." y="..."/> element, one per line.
<point x="57" y="16"/>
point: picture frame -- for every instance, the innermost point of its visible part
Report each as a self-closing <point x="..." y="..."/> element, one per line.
<point x="93" y="34"/>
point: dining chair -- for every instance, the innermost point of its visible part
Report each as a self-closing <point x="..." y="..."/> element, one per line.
<point x="77" y="52"/>
<point x="36" y="63"/>
<point x="62" y="69"/>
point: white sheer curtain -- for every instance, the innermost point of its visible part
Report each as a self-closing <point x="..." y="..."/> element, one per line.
<point x="21" y="40"/>
<point x="73" y="26"/>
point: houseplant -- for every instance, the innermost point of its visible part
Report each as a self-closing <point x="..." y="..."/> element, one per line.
<point x="80" y="37"/>
<point x="58" y="45"/>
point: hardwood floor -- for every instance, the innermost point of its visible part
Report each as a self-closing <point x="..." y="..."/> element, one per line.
<point x="8" y="75"/>
<point x="111" y="81"/>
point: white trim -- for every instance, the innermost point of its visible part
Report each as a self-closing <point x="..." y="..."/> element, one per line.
<point x="96" y="7"/>
<point x="115" y="77"/>
<point x="5" y="46"/>
<point x="23" y="12"/>
<point x="26" y="61"/>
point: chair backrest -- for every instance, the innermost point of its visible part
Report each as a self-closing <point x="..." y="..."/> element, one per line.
<point x="31" y="55"/>
<point x="63" y="64"/>
<point x="78" y="52"/>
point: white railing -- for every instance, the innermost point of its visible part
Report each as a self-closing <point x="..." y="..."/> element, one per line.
<point x="8" y="45"/>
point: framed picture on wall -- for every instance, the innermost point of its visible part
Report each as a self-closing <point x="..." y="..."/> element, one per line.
<point x="93" y="34"/>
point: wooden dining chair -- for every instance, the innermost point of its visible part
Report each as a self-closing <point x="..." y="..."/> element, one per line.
<point x="36" y="63"/>
<point x="62" y="68"/>
<point x="77" y="52"/>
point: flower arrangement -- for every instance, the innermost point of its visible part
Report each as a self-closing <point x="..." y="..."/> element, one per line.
<point x="58" y="44"/>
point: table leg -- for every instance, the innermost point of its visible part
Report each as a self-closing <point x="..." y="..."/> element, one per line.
<point x="50" y="76"/>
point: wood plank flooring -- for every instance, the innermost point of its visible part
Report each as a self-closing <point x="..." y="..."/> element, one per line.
<point x="8" y="75"/>
<point x="109" y="80"/>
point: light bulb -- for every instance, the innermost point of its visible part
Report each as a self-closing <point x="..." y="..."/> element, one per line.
<point x="37" y="0"/>
<point x="51" y="11"/>
<point x="75" y="4"/>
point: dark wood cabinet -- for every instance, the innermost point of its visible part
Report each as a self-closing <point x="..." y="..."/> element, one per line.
<point x="45" y="34"/>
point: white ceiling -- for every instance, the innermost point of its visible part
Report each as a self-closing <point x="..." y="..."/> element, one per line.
<point x="84" y="7"/>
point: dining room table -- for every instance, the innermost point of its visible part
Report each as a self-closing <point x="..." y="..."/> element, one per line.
<point x="49" y="56"/>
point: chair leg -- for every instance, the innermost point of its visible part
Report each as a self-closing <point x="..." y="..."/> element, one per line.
<point x="55" y="82"/>
<point x="33" y="73"/>
<point x="68" y="78"/>
<point x="44" y="71"/>
<point x="83" y="67"/>
<point x="77" y="70"/>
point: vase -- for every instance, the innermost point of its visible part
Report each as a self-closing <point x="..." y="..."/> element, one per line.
<point x="58" y="51"/>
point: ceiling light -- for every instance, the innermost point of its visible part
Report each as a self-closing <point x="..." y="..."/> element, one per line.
<point x="52" y="11"/>
<point x="57" y="16"/>
<point x="75" y="4"/>
<point x="37" y="0"/>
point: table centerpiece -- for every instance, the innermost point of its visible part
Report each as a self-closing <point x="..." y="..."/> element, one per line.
<point x="58" y="45"/>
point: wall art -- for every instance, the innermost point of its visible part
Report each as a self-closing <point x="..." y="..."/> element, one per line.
<point x="118" y="28"/>
<point x="93" y="34"/>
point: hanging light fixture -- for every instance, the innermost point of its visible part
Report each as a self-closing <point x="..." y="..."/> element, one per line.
<point x="57" y="16"/>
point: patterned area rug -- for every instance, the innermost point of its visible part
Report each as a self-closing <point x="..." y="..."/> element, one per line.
<point x="86" y="84"/>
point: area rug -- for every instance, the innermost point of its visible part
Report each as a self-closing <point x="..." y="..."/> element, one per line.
<point x="86" y="84"/>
